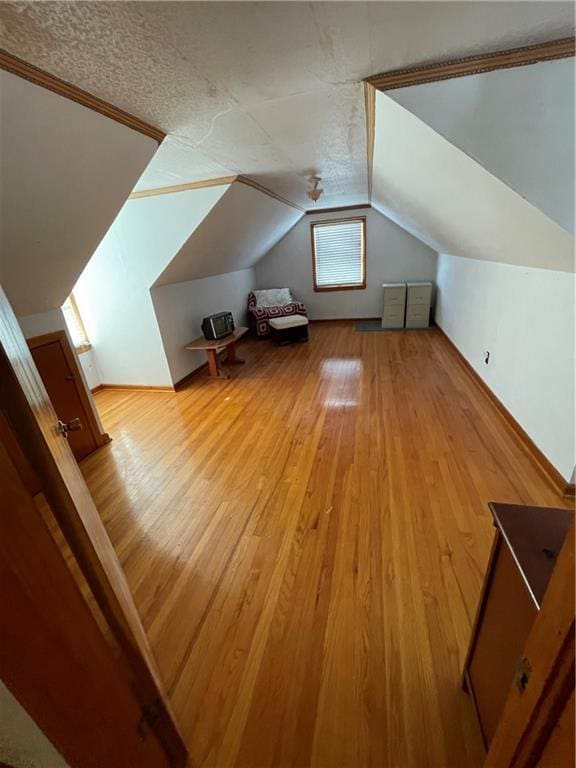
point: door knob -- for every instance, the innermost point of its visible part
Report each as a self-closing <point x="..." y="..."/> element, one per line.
<point x="74" y="425"/>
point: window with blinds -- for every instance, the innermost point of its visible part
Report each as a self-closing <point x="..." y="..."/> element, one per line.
<point x="75" y="325"/>
<point x="339" y="254"/>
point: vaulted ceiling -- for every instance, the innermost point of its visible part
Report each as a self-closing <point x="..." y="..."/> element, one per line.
<point x="449" y="201"/>
<point x="269" y="90"/>
<point x="517" y="123"/>
<point x="65" y="172"/>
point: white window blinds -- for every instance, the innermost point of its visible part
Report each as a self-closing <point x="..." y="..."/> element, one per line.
<point x="75" y="325"/>
<point x="339" y="254"/>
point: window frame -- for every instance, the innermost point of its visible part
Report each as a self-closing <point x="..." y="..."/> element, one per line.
<point x="342" y="287"/>
<point x="86" y="346"/>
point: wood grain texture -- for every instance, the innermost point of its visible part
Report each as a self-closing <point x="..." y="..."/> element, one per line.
<point x="544" y="465"/>
<point x="530" y="717"/>
<point x="370" y="110"/>
<point x="318" y="211"/>
<point x="38" y="76"/>
<point x="473" y="65"/>
<point x="52" y="651"/>
<point x="261" y="188"/>
<point x="306" y="544"/>
<point x="27" y="409"/>
<point x="36" y="343"/>
<point x="217" y="182"/>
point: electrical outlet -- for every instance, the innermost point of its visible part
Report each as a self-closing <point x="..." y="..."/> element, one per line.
<point x="487" y="357"/>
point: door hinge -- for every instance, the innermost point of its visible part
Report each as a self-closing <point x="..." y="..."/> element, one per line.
<point x="523" y="672"/>
<point x="150" y="715"/>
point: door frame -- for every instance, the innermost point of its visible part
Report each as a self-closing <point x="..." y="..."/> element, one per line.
<point x="29" y="413"/>
<point x="92" y="422"/>
<point x="54" y="657"/>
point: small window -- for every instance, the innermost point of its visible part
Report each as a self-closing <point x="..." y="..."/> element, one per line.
<point x="339" y="254"/>
<point x="75" y="325"/>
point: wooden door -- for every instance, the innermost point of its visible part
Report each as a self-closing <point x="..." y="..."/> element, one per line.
<point x="62" y="385"/>
<point x="28" y="412"/>
<point x="53" y="655"/>
<point x="537" y="725"/>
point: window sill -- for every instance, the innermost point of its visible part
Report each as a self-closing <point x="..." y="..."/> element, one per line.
<point x="83" y="348"/>
<point x="322" y="289"/>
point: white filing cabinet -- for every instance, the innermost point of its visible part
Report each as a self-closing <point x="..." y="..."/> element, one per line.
<point x="394" y="305"/>
<point x="418" y="301"/>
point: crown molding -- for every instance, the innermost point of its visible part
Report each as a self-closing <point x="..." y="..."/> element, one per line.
<point x="260" y="188"/>
<point x="38" y="76"/>
<point x="214" y="183"/>
<point x="473" y="65"/>
<point x="359" y="207"/>
<point x="370" y="108"/>
<point x="220" y="181"/>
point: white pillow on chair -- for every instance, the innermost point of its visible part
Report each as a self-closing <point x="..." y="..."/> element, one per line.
<point x="273" y="297"/>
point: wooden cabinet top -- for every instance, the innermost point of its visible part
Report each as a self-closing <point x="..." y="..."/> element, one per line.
<point x="203" y="343"/>
<point x="534" y="536"/>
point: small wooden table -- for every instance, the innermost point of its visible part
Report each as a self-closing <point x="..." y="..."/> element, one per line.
<point x="212" y="348"/>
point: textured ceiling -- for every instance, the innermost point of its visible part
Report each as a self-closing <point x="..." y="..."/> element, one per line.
<point x="269" y="90"/>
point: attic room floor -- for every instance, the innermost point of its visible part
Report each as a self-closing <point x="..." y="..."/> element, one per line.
<point x="306" y="544"/>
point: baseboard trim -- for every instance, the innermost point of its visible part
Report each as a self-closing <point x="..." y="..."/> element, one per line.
<point x="134" y="387"/>
<point x="343" y="319"/>
<point x="181" y="383"/>
<point x="546" y="468"/>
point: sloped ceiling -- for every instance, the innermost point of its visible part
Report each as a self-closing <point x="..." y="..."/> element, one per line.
<point x="146" y="236"/>
<point x="433" y="189"/>
<point x="518" y="123"/>
<point x="65" y="171"/>
<point x="268" y="90"/>
<point x="242" y="226"/>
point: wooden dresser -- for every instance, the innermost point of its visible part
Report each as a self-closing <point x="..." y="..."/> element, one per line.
<point x="526" y="544"/>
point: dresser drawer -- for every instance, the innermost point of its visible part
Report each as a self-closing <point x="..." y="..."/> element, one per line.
<point x="393" y="316"/>
<point x="394" y="295"/>
<point x="417" y="316"/>
<point x="419" y="293"/>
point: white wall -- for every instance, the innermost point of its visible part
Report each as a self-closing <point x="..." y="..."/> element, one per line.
<point x="525" y="318"/>
<point x="41" y="323"/>
<point x="242" y="226"/>
<point x="90" y="368"/>
<point x="180" y="308"/>
<point x="65" y="171"/>
<point x="392" y="254"/>
<point x="526" y="141"/>
<point x="113" y="292"/>
<point x="451" y="202"/>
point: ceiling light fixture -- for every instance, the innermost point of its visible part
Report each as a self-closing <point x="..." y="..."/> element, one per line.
<point x="316" y="191"/>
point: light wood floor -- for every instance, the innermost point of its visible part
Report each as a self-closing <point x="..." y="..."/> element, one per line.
<point x="306" y="544"/>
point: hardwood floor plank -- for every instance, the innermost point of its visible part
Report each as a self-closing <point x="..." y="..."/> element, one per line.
<point x="306" y="543"/>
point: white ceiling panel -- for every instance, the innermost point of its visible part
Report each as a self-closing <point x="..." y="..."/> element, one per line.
<point x="477" y="115"/>
<point x="452" y="203"/>
<point x="176" y="161"/>
<point x="265" y="89"/>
